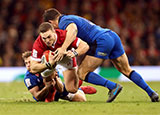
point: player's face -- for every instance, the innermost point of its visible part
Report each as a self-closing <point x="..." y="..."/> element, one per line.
<point x="27" y="62"/>
<point x="49" y="37"/>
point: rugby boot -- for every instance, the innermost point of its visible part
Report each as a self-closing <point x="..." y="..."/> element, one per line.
<point x="114" y="92"/>
<point x="154" y="97"/>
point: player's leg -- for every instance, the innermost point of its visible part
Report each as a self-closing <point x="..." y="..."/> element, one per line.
<point x="78" y="96"/>
<point x="121" y="63"/>
<point x="80" y="83"/>
<point x="85" y="72"/>
<point x="71" y="80"/>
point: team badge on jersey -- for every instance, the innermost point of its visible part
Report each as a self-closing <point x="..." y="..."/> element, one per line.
<point x="102" y="54"/>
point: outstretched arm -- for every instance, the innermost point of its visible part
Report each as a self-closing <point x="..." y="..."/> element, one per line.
<point x="70" y="37"/>
<point x="37" y="67"/>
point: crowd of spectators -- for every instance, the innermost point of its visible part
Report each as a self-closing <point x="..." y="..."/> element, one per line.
<point x="137" y="22"/>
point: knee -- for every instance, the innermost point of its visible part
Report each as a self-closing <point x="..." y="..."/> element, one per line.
<point x="72" y="89"/>
<point x="79" y="97"/>
<point x="126" y="71"/>
<point x="82" y="99"/>
<point x="81" y="74"/>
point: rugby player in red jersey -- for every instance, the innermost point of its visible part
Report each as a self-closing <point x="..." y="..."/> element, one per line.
<point x="51" y="39"/>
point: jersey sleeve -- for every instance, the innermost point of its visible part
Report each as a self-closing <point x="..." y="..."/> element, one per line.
<point x="75" y="43"/>
<point x="29" y="81"/>
<point x="64" y="22"/>
<point x="37" y="54"/>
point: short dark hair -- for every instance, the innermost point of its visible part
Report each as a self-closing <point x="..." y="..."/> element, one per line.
<point x="26" y="54"/>
<point x="45" y="26"/>
<point x="50" y="14"/>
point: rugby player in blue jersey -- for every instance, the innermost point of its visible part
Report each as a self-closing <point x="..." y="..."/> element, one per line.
<point x="48" y="89"/>
<point x="104" y="44"/>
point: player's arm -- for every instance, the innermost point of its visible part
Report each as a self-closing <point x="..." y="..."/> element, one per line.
<point x="70" y="37"/>
<point x="37" y="66"/>
<point x="41" y="94"/>
<point x="59" y="85"/>
<point x="81" y="49"/>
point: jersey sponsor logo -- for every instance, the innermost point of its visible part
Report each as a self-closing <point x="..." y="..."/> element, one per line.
<point x="28" y="82"/>
<point x="34" y="53"/>
<point x="102" y="54"/>
<point x="38" y="80"/>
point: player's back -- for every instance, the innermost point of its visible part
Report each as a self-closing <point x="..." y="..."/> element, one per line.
<point x="87" y="31"/>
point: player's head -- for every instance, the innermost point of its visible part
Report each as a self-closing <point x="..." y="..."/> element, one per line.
<point x="52" y="15"/>
<point x="27" y="57"/>
<point x="47" y="33"/>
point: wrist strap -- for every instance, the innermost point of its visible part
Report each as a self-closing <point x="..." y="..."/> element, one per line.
<point x="48" y="65"/>
<point x="75" y="53"/>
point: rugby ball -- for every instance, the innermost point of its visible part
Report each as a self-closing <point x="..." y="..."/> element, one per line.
<point x="45" y="59"/>
<point x="45" y="56"/>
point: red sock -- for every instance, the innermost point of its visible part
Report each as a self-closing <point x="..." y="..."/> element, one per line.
<point x="80" y="82"/>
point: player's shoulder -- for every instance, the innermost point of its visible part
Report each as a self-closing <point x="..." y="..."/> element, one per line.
<point x="69" y="16"/>
<point x="38" y="40"/>
<point x="39" y="44"/>
<point x="60" y="33"/>
<point x="28" y="75"/>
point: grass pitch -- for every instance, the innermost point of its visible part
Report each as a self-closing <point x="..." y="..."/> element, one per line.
<point x="16" y="100"/>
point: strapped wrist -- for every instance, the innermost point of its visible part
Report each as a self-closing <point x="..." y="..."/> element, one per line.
<point x="75" y="53"/>
<point x="49" y="66"/>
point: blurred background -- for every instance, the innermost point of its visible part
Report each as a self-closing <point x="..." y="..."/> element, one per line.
<point x="137" y="22"/>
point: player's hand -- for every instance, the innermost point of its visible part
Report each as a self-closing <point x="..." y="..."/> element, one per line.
<point x="51" y="59"/>
<point x="53" y="82"/>
<point x="55" y="74"/>
<point x="58" y="54"/>
<point x="70" y="54"/>
<point x="48" y="84"/>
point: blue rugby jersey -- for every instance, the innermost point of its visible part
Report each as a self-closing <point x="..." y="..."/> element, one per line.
<point x="32" y="80"/>
<point x="87" y="31"/>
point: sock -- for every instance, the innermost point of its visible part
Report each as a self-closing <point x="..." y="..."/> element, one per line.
<point x="137" y="79"/>
<point x="98" y="80"/>
<point x="80" y="82"/>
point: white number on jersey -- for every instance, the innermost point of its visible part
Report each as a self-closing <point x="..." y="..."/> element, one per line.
<point x="34" y="53"/>
<point x="28" y="83"/>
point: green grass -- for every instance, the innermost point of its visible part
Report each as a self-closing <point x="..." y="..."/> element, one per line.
<point x="16" y="100"/>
